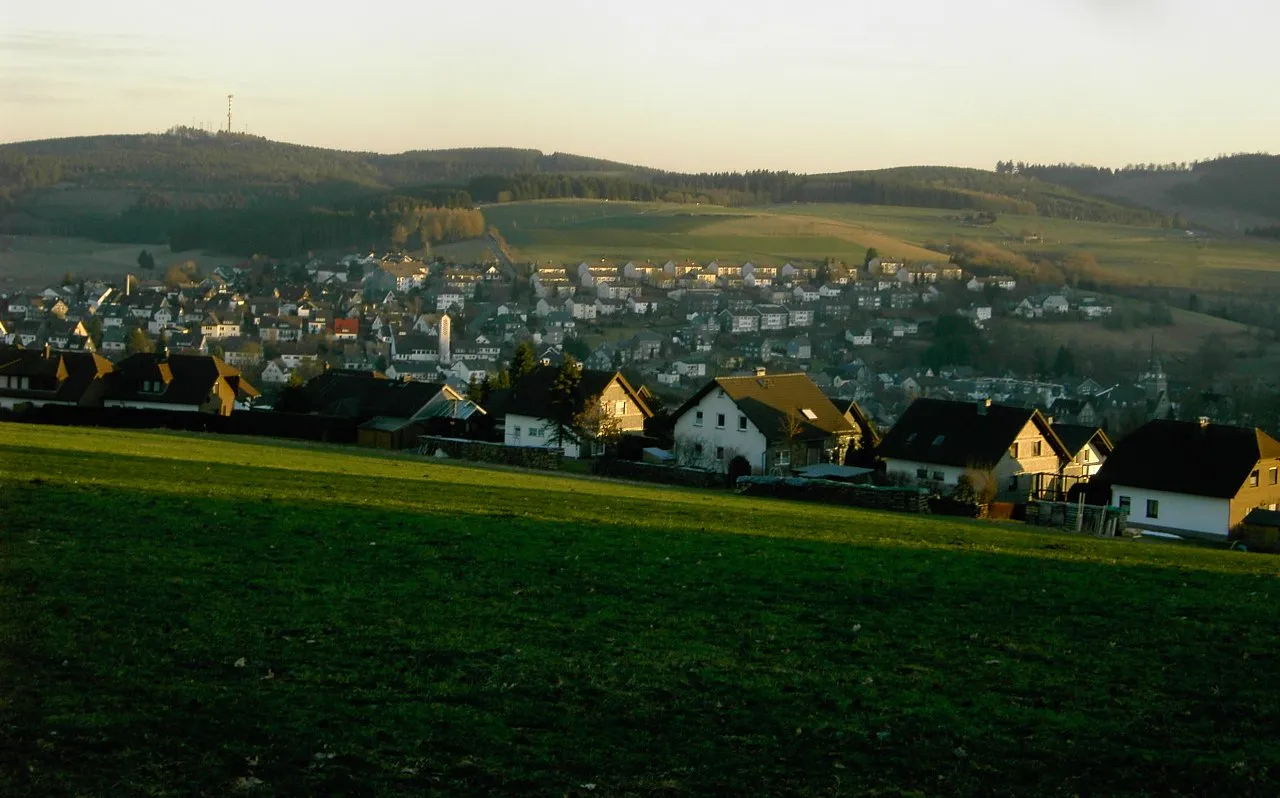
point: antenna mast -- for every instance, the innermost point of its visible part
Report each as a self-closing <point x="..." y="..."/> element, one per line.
<point x="229" y="96"/>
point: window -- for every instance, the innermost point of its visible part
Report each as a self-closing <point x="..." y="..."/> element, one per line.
<point x="516" y="434"/>
<point x="697" y="418"/>
<point x="1036" y="449"/>
<point x="535" y="432"/>
<point x="1013" y="482"/>
<point x="1013" y="451"/>
<point x="783" y="458"/>
<point x="719" y="420"/>
<point x="1126" y="504"/>
<point x="938" y="440"/>
<point x="719" y="452"/>
<point x="809" y="414"/>
<point x="742" y="427"/>
<point x="922" y="473"/>
<point x="938" y="476"/>
<point x="619" y="408"/>
<point x="1253" y="479"/>
<point x="1273" y="476"/>
<point x="697" y="449"/>
<point x="1085" y="455"/>
<point x="1153" y="508"/>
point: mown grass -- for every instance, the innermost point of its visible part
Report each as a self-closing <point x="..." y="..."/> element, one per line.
<point x="188" y="615"/>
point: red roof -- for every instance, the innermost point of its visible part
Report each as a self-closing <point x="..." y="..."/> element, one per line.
<point x="346" y="326"/>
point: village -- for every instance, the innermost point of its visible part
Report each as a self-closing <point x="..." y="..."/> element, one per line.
<point x="741" y="371"/>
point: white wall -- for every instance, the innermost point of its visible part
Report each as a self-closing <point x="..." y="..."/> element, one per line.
<point x="750" y="443"/>
<point x="1177" y="511"/>
<point x="533" y="432"/>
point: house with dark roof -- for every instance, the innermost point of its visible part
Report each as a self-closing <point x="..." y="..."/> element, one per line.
<point x="936" y="441"/>
<point x="182" y="383"/>
<point x="1193" y="477"/>
<point x="1088" y="446"/>
<point x="765" y="423"/>
<point x="48" y="377"/>
<point x="530" y="413"/>
<point x="364" y="396"/>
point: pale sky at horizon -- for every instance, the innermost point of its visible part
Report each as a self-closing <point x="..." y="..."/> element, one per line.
<point x="697" y="85"/>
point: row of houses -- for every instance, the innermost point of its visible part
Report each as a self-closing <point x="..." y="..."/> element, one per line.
<point x="1182" y="477"/>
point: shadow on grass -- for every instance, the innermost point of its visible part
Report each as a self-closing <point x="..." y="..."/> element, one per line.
<point x="155" y="641"/>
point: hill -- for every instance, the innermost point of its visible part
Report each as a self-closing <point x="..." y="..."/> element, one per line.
<point x="185" y="614"/>
<point x="197" y="190"/>
<point x="1230" y="193"/>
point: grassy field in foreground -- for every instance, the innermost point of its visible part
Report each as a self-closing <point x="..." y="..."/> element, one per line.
<point x="191" y="615"/>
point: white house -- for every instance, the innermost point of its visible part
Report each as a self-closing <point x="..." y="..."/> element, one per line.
<point x="1193" y="478"/>
<point x="530" y="415"/>
<point x="764" y="423"/>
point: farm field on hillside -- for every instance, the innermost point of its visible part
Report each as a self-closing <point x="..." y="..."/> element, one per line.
<point x="1137" y="254"/>
<point x="201" y="615"/>
<point x="569" y="232"/>
<point x="37" y="261"/>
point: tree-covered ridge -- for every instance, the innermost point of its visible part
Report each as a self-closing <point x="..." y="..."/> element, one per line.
<point x="927" y="187"/>
<point x="1244" y="182"/>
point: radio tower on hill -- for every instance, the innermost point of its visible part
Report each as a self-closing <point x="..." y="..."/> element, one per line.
<point x="229" y="96"/>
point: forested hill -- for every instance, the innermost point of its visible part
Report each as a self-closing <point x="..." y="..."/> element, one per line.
<point x="244" y="194"/>
<point x="191" y="160"/>
<point x="1220" y="190"/>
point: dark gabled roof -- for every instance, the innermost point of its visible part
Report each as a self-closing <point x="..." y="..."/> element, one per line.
<point x="1189" y="457"/>
<point x="362" y="395"/>
<point x="533" y="396"/>
<point x="772" y="401"/>
<point x="961" y="434"/>
<point x="71" y="376"/>
<point x="1076" y="436"/>
<point x="188" y="379"/>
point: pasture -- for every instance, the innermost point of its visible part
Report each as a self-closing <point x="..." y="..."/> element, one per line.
<point x="195" y="615"/>
<point x="572" y="231"/>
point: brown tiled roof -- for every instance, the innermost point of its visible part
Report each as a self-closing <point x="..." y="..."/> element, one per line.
<point x="769" y="399"/>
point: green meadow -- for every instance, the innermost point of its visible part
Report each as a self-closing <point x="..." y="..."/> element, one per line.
<point x="197" y="615"/>
<point x="572" y="231"/>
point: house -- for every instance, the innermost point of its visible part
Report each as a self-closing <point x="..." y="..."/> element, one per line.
<point x="276" y="372"/>
<point x="741" y="321"/>
<point x="1088" y="446"/>
<point x="47" y="377"/>
<point x="531" y="415"/>
<point x="937" y="441"/>
<point x="772" y="317"/>
<point x="364" y="396"/>
<point x="1193" y="478"/>
<point x="182" y="383"/>
<point x="763" y="423"/>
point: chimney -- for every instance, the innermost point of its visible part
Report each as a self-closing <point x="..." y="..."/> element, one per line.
<point x="761" y="371"/>
<point x="984" y="406"/>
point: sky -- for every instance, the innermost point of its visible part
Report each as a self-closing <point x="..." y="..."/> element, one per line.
<point x="690" y="85"/>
